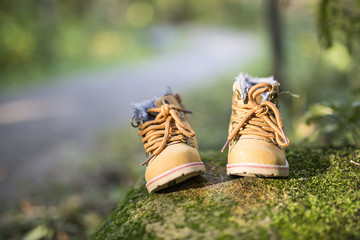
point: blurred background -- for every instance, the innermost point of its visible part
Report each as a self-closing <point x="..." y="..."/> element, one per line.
<point x="70" y="69"/>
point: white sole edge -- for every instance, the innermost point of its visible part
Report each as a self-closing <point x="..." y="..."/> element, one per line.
<point x="258" y="170"/>
<point x="175" y="175"/>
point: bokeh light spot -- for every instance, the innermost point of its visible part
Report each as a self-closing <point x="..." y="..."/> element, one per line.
<point x="105" y="44"/>
<point x="139" y="14"/>
<point x="338" y="56"/>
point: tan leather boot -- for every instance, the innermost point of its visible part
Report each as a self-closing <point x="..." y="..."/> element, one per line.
<point x="256" y="138"/>
<point x="169" y="142"/>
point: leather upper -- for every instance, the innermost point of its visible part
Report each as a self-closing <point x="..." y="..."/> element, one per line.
<point x="175" y="153"/>
<point x="254" y="149"/>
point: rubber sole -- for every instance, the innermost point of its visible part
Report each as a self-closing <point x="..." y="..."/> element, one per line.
<point x="257" y="170"/>
<point x="175" y="175"/>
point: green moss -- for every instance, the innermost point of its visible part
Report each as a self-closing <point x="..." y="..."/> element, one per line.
<point x="319" y="200"/>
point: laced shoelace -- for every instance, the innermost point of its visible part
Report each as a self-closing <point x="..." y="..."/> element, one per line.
<point x="166" y="128"/>
<point x="260" y="119"/>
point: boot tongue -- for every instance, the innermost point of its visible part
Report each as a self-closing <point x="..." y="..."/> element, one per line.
<point x="140" y="109"/>
<point x="236" y="89"/>
<point x="272" y="96"/>
<point x="167" y="99"/>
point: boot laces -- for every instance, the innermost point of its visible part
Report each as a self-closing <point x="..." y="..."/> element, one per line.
<point x="259" y="119"/>
<point x="167" y="127"/>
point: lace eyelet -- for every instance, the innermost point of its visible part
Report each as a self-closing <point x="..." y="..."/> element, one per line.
<point x="132" y="123"/>
<point x="274" y="96"/>
<point x="164" y="101"/>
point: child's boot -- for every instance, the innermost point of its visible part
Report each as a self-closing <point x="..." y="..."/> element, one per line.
<point x="169" y="141"/>
<point x="256" y="138"/>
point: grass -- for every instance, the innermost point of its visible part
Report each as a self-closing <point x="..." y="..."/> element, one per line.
<point x="319" y="200"/>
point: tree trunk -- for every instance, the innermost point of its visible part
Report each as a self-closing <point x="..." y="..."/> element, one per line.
<point x="273" y="18"/>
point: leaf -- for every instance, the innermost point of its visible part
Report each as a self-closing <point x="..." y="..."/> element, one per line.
<point x="39" y="232"/>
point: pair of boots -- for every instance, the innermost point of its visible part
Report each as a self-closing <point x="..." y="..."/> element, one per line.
<point x="256" y="138"/>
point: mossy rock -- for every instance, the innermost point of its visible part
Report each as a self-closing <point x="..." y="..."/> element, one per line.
<point x="319" y="200"/>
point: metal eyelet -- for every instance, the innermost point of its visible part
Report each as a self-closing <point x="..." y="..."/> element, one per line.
<point x="274" y="96"/>
<point x="132" y="123"/>
<point x="164" y="101"/>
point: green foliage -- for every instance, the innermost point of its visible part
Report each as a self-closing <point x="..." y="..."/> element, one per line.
<point x="318" y="200"/>
<point x="339" y="19"/>
<point x="323" y="21"/>
<point x="337" y="123"/>
<point x="337" y="120"/>
<point x="43" y="38"/>
<point x="319" y="75"/>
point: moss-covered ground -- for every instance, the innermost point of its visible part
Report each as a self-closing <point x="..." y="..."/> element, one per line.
<point x="319" y="200"/>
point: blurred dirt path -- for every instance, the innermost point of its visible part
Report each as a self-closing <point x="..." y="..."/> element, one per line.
<point x="55" y="125"/>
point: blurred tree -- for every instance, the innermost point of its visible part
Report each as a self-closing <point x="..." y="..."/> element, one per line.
<point x="339" y="20"/>
<point x="274" y="20"/>
<point x="180" y="12"/>
<point x="339" y="24"/>
<point x="337" y="120"/>
<point x="46" y="22"/>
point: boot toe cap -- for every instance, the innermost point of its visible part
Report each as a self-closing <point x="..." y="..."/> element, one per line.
<point x="256" y="152"/>
<point x="171" y="157"/>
